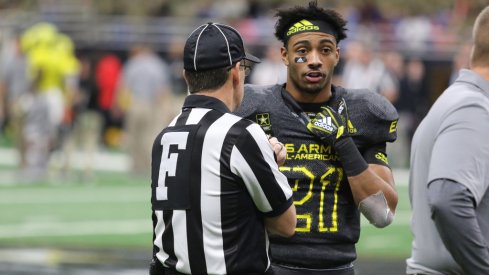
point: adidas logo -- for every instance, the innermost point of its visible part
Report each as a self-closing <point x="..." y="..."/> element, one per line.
<point x="324" y="123"/>
<point x="302" y="25"/>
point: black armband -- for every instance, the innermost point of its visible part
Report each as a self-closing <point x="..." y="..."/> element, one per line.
<point x="351" y="159"/>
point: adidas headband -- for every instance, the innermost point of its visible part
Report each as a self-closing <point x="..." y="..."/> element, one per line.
<point x="310" y="26"/>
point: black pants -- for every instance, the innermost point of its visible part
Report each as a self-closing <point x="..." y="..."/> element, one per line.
<point x="168" y="271"/>
<point x="156" y="268"/>
<point x="290" y="270"/>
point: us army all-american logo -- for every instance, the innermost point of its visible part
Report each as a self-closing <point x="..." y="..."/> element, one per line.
<point x="263" y="120"/>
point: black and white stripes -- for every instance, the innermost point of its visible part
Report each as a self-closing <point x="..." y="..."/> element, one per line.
<point x="220" y="178"/>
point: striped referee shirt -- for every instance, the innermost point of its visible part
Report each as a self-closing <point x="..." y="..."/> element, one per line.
<point x="214" y="178"/>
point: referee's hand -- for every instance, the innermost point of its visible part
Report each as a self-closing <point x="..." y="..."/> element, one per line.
<point x="279" y="150"/>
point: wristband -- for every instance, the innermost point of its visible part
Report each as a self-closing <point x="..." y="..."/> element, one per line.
<point x="351" y="159"/>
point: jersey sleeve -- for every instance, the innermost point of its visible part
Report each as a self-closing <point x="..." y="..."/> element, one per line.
<point x="252" y="159"/>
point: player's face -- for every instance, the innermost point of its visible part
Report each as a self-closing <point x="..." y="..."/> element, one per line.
<point x="310" y="58"/>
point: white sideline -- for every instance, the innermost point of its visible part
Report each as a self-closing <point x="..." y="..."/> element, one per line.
<point x="105" y="161"/>
<point x="53" y="228"/>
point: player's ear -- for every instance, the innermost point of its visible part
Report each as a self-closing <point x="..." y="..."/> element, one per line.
<point x="284" y="55"/>
<point x="337" y="56"/>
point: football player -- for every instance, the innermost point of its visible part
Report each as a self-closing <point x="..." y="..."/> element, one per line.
<point x="336" y="140"/>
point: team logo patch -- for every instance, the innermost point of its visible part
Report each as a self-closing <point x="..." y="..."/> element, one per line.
<point x="302" y="25"/>
<point x="263" y="120"/>
<point x="343" y="110"/>
<point x="351" y="128"/>
<point x="382" y="157"/>
<point x="324" y="123"/>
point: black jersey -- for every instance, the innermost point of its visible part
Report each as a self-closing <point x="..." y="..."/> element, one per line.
<point x="328" y="222"/>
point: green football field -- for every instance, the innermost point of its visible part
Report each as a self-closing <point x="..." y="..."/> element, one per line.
<point x="113" y="212"/>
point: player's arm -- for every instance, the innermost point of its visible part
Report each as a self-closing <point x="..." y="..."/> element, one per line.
<point x="374" y="192"/>
<point x="372" y="185"/>
<point x="377" y="161"/>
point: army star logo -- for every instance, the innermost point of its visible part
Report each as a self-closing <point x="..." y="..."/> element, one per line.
<point x="263" y="119"/>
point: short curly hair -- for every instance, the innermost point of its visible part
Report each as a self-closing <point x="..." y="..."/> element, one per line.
<point x="288" y="17"/>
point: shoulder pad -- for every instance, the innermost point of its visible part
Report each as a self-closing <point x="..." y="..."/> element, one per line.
<point x="372" y="119"/>
<point x="255" y="96"/>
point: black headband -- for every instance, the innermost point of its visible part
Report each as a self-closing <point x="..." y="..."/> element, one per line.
<point x="310" y="26"/>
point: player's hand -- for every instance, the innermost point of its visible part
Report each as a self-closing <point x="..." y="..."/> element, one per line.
<point x="279" y="150"/>
<point x="328" y="125"/>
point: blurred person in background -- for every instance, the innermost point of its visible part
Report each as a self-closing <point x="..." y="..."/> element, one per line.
<point x="363" y="69"/>
<point x="69" y="67"/>
<point x="14" y="87"/>
<point x="394" y="62"/>
<point x="414" y="32"/>
<point x="271" y="70"/>
<point x="449" y="176"/>
<point x="145" y="95"/>
<point x="335" y="139"/>
<point x="53" y="70"/>
<point x="460" y="60"/>
<point x="107" y="74"/>
<point x="175" y="64"/>
<point x="87" y="120"/>
<point x="412" y="105"/>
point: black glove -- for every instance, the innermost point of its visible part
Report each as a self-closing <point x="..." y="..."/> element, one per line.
<point x="328" y="125"/>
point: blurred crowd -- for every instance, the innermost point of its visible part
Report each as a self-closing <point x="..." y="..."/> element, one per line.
<point x="58" y="98"/>
<point x="55" y="102"/>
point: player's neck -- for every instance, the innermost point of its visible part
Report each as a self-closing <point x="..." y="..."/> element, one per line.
<point x="303" y="97"/>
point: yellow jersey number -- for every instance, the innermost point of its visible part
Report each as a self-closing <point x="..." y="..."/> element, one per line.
<point x="307" y="217"/>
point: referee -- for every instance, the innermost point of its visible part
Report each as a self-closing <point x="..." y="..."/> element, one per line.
<point x="216" y="187"/>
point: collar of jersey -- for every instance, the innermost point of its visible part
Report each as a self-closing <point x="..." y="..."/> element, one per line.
<point x="207" y="102"/>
